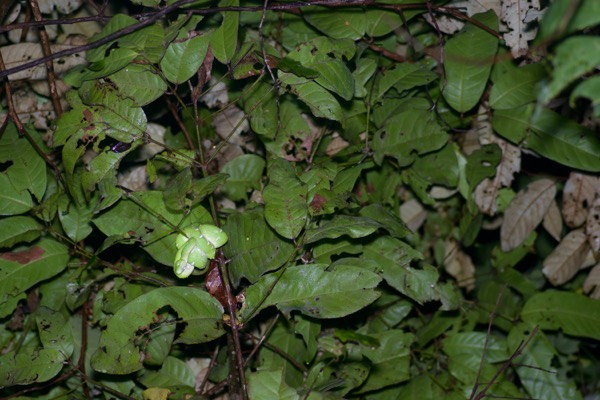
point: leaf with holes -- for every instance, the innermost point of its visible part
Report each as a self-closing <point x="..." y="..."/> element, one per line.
<point x="577" y="198"/>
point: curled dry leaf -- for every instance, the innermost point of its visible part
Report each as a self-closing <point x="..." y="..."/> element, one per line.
<point x="567" y="258"/>
<point x="517" y="15"/>
<point x="525" y="212"/>
<point x="486" y="192"/>
<point x="413" y="214"/>
<point x="62" y="6"/>
<point x="459" y="265"/>
<point x="592" y="283"/>
<point x="19" y="54"/>
<point x="578" y="195"/>
<point x="592" y="226"/>
<point x="553" y="221"/>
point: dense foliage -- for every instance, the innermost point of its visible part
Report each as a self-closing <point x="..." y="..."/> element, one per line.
<point x="408" y="195"/>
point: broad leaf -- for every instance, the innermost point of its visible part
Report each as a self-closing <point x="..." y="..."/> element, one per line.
<point x="468" y="59"/>
<point x="253" y="247"/>
<point x="223" y="41"/>
<point x="183" y="57"/>
<point x="18" y="229"/>
<point x="566" y="259"/>
<point x="564" y="141"/>
<point x="322" y="294"/>
<point x="118" y="353"/>
<point x="21" y="269"/>
<point x="29" y="366"/>
<point x="286" y="210"/>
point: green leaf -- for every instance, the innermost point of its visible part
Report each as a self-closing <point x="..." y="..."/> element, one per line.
<point x="75" y="219"/>
<point x="253" y="247"/>
<point x="245" y="173"/>
<point x="116" y="23"/>
<point x="561" y="18"/>
<point x="388" y="221"/>
<point x="184" y="56"/>
<point x="140" y="83"/>
<point x="365" y="68"/>
<point x="408" y="134"/>
<point x="590" y="89"/>
<point x="322" y="294"/>
<point x="19" y="229"/>
<point x="438" y="168"/>
<point x="104" y="166"/>
<point x="516" y="87"/>
<point x="207" y="185"/>
<point x="390" y="360"/>
<point x="468" y="60"/>
<point x="574" y="314"/>
<point x="223" y="41"/>
<point x="574" y="57"/>
<point x="55" y="331"/>
<point x="172" y="372"/>
<point x="475" y="344"/>
<point x="482" y="163"/>
<point x="270" y="385"/>
<point x="403" y="77"/>
<point x="23" y="268"/>
<point x="285" y="196"/>
<point x="391" y="259"/>
<point x="177" y="191"/>
<point x="340" y="225"/>
<point x="513" y="124"/>
<point x="118" y="353"/>
<point x="536" y="369"/>
<point x="319" y="100"/>
<point x="29" y="366"/>
<point x="347" y="24"/>
<point x="146" y="218"/>
<point x="26" y="167"/>
<point x="116" y="60"/>
<point x="119" y="117"/>
<point x="564" y="141"/>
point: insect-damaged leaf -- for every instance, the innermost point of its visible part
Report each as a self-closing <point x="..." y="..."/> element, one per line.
<point x="30" y="365"/>
<point x="315" y="291"/>
<point x="566" y="259"/>
<point x="578" y="194"/>
<point x="525" y="212"/>
<point x="118" y="352"/>
<point x="20" y="270"/>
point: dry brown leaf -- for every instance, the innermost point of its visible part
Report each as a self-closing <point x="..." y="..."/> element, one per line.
<point x="567" y="258"/>
<point x="592" y="226"/>
<point x="487" y="190"/>
<point x="19" y="54"/>
<point x="413" y="214"/>
<point x="525" y="212"/>
<point x="515" y="15"/>
<point x="553" y="221"/>
<point x="578" y="195"/>
<point x="459" y="265"/>
<point x="592" y="283"/>
<point x="450" y="25"/>
<point x="336" y="145"/>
